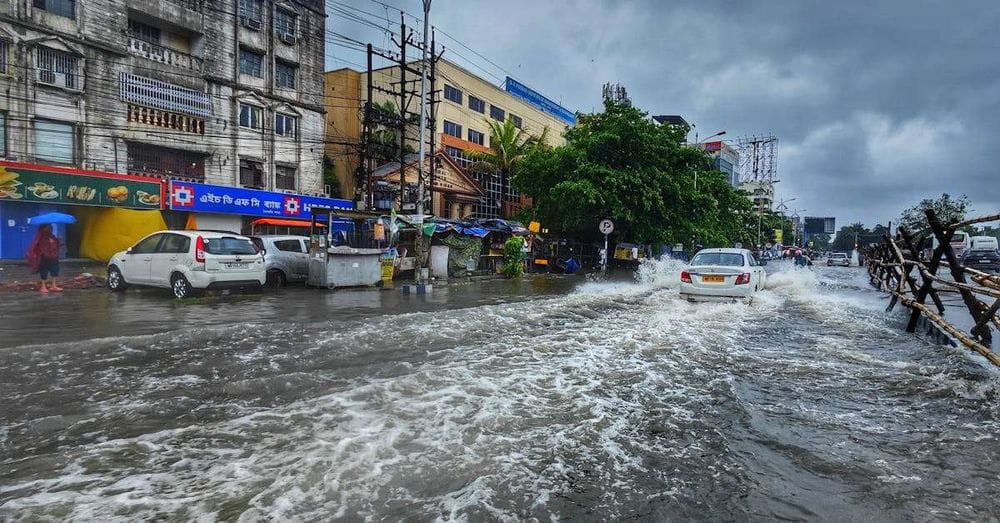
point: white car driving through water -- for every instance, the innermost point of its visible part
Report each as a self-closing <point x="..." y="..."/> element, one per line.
<point x="722" y="275"/>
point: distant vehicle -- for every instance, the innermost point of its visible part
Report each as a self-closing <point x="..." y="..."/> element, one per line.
<point x="187" y="262"/>
<point x="959" y="243"/>
<point x="722" y="275"/>
<point x="982" y="254"/>
<point x="983" y="243"/>
<point x="286" y="258"/>
<point x="838" y="258"/>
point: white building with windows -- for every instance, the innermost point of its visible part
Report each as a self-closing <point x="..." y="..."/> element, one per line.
<point x="223" y="92"/>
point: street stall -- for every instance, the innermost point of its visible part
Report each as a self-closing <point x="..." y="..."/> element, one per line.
<point x="456" y="246"/>
<point x="112" y="210"/>
<point x="333" y="265"/>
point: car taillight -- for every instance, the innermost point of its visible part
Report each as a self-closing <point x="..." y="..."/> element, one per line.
<point x="685" y="277"/>
<point x="743" y="279"/>
<point x="199" y="250"/>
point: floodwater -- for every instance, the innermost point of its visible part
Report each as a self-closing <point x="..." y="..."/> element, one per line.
<point x="547" y="398"/>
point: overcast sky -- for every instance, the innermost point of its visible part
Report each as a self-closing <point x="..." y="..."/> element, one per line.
<point x="876" y="104"/>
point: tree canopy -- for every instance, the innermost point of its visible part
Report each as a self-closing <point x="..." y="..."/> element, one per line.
<point x="618" y="164"/>
<point x="948" y="210"/>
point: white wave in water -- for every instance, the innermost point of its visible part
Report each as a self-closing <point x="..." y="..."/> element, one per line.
<point x="606" y="398"/>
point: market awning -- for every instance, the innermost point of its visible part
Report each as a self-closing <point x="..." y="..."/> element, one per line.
<point x="284" y="222"/>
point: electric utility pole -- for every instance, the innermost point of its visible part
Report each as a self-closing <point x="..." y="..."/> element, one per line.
<point x="418" y="247"/>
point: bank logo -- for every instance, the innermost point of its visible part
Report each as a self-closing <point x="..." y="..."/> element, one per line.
<point x="181" y="195"/>
<point x="292" y="206"/>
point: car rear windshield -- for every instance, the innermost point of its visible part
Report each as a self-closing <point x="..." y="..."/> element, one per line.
<point x="839" y="255"/>
<point x="227" y="245"/>
<point x="724" y="259"/>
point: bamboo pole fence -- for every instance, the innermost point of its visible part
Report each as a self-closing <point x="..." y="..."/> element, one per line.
<point x="895" y="263"/>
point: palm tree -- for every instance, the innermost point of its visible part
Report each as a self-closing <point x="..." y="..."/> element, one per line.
<point x="508" y="146"/>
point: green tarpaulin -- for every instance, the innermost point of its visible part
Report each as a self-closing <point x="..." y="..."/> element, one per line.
<point x="463" y="253"/>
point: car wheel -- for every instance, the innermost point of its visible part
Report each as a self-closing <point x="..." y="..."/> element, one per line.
<point x="181" y="287"/>
<point x="116" y="282"/>
<point x="276" y="278"/>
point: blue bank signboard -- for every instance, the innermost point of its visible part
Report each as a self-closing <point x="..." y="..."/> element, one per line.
<point x="535" y="98"/>
<point x="201" y="197"/>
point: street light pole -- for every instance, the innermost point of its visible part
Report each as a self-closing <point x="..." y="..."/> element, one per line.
<point x="420" y="162"/>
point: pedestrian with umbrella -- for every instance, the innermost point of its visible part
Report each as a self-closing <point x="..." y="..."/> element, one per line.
<point x="43" y="254"/>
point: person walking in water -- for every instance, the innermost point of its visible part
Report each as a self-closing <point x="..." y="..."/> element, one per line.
<point x="43" y="258"/>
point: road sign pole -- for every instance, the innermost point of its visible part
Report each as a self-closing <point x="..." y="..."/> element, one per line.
<point x="606" y="227"/>
<point x="604" y="264"/>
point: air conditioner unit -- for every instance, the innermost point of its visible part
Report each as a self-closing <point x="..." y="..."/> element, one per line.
<point x="252" y="23"/>
<point x="288" y="38"/>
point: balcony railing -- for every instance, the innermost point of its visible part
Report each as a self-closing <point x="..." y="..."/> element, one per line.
<point x="194" y="5"/>
<point x="165" y="55"/>
<point x="165" y="119"/>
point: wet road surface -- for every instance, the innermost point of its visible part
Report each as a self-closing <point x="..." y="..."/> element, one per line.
<point x="551" y="397"/>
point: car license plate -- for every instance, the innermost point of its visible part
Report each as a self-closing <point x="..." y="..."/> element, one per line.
<point x="237" y="265"/>
<point x="709" y="278"/>
<point x="984" y="261"/>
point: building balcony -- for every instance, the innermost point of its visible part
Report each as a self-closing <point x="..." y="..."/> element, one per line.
<point x="165" y="119"/>
<point x="164" y="55"/>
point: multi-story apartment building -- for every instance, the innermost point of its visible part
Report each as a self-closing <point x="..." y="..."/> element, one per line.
<point x="466" y="102"/>
<point x="215" y="92"/>
<point x="725" y="159"/>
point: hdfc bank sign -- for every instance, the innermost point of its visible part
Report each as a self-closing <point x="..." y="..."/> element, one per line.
<point x="201" y="197"/>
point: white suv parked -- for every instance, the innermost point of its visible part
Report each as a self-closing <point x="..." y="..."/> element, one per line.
<point x="187" y="262"/>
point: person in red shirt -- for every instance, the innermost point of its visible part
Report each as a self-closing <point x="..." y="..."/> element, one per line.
<point x="43" y="257"/>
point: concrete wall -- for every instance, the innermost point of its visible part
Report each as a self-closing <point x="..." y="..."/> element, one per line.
<point x="205" y="41"/>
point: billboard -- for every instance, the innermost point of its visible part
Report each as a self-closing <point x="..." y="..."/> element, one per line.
<point x="815" y="225"/>
<point x="200" y="197"/>
<point x="529" y="95"/>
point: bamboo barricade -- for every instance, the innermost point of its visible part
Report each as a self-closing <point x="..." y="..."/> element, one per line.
<point x="891" y="266"/>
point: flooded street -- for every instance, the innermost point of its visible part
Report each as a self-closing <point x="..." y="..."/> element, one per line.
<point x="551" y="397"/>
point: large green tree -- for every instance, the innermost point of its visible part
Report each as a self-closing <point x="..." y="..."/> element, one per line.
<point x="846" y="236"/>
<point x="948" y="210"/>
<point x="618" y="164"/>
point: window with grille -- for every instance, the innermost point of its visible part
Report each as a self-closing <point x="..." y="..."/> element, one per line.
<point x="453" y="94"/>
<point x="144" y="32"/>
<point x="284" y="75"/>
<point x="251" y="116"/>
<point x="4" y="56"/>
<point x="148" y="92"/>
<point x="55" y="142"/>
<point x="57" y="68"/>
<point x="476" y="137"/>
<point x="284" y="25"/>
<point x="162" y="161"/>
<point x="497" y="113"/>
<point x="65" y="8"/>
<point x="285" y="124"/>
<point x="251" y="174"/>
<point x="284" y="177"/>
<point x="453" y="129"/>
<point x="517" y="121"/>
<point x="251" y="63"/>
<point x="459" y="156"/>
<point x="476" y="104"/>
<point x="252" y="13"/>
<point x="3" y="134"/>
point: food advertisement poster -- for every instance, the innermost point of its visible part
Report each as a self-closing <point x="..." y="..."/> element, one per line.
<point x="40" y="186"/>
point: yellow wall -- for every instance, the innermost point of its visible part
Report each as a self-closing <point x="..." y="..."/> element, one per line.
<point x="449" y="73"/>
<point x="343" y="124"/>
<point x="109" y="230"/>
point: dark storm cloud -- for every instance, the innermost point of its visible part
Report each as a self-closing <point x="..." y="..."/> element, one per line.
<point x="875" y="104"/>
